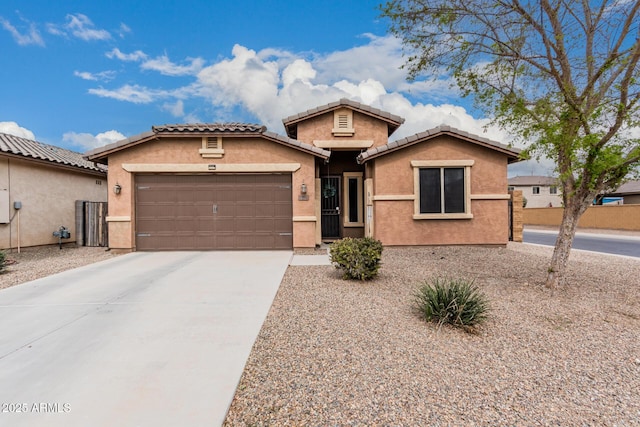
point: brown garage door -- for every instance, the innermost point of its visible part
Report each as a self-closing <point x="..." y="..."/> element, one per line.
<point x="202" y="212"/>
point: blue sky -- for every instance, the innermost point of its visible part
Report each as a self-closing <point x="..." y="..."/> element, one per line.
<point x="80" y="74"/>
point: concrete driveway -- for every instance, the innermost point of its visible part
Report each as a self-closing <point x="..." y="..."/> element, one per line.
<point x="144" y="339"/>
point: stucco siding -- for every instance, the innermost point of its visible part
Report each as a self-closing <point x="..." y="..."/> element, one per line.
<point x="393" y="219"/>
<point x="366" y="128"/>
<point x="185" y="151"/>
<point x="48" y="195"/>
<point x="541" y="200"/>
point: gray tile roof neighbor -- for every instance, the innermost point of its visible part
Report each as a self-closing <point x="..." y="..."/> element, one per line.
<point x="533" y="180"/>
<point x="630" y="187"/>
<point x="30" y="149"/>
<point x="431" y="133"/>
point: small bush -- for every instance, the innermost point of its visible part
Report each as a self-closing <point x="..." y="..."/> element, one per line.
<point x="357" y="258"/>
<point x="455" y="301"/>
<point x="3" y="261"/>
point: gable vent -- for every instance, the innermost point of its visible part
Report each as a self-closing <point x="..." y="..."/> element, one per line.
<point x="212" y="143"/>
<point x="343" y="121"/>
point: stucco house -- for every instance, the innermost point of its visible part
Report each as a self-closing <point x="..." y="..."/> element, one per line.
<point x="39" y="184"/>
<point x="540" y="191"/>
<point x="629" y="192"/>
<point x="335" y="174"/>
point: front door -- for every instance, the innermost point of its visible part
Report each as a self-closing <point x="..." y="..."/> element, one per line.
<point x="330" y="203"/>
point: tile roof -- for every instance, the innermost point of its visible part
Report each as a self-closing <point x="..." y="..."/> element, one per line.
<point x="630" y="187"/>
<point x="30" y="149"/>
<point x="210" y="127"/>
<point x="532" y="180"/>
<point x="393" y="120"/>
<point x="101" y="153"/>
<point x="432" y="133"/>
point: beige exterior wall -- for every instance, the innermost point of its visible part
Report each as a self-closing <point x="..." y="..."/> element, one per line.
<point x="541" y="200"/>
<point x="366" y="128"/>
<point x="632" y="200"/>
<point x="48" y="194"/>
<point x="618" y="217"/>
<point x="185" y="151"/>
<point x="393" y="177"/>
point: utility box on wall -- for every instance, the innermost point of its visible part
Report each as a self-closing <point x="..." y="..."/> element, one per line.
<point x="4" y="207"/>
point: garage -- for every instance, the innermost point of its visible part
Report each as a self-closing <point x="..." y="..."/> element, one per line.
<point x="213" y="211"/>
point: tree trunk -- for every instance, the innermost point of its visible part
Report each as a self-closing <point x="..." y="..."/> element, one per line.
<point x="560" y="258"/>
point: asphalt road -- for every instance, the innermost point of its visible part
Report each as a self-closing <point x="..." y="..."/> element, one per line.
<point x="610" y="244"/>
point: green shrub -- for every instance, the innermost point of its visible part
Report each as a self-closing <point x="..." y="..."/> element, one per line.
<point x="3" y="261"/>
<point x="357" y="258"/>
<point x="458" y="302"/>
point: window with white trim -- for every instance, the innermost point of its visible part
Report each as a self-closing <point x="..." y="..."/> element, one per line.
<point x="353" y="199"/>
<point x="535" y="190"/>
<point x="553" y="189"/>
<point x="442" y="189"/>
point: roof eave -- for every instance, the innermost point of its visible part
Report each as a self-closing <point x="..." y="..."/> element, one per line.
<point x="513" y="154"/>
<point x="101" y="154"/>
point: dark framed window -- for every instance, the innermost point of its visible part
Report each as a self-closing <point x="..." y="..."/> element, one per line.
<point x="553" y="189"/>
<point x="353" y="200"/>
<point x="442" y="190"/>
<point x="535" y="190"/>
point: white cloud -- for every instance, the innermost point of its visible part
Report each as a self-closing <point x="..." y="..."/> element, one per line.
<point x="81" y="27"/>
<point x="138" y="55"/>
<point x="272" y="84"/>
<point x="87" y="141"/>
<point x="140" y="94"/>
<point x="271" y="89"/>
<point x="101" y="76"/>
<point x="123" y="30"/>
<point x="163" y="65"/>
<point x="12" y="128"/>
<point x="31" y="35"/>
<point x="176" y="109"/>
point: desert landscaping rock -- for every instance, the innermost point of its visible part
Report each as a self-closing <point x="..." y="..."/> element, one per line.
<point x="335" y="352"/>
<point x="35" y="262"/>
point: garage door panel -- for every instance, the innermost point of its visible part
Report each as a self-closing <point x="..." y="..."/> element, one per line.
<point x="213" y="212"/>
<point x="264" y="225"/>
<point x="265" y="210"/>
<point x="282" y="211"/>
<point x="245" y="225"/>
<point x="158" y="225"/>
<point x="245" y="210"/>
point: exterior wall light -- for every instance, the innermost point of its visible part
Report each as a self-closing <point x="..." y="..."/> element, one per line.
<point x="303" y="188"/>
<point x="117" y="188"/>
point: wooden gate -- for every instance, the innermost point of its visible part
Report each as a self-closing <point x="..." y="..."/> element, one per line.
<point x="91" y="223"/>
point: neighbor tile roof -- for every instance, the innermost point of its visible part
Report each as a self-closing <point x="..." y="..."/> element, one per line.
<point x="248" y="129"/>
<point x="532" y="180"/>
<point x="393" y="120"/>
<point x="631" y="187"/>
<point x="432" y="133"/>
<point x="30" y="149"/>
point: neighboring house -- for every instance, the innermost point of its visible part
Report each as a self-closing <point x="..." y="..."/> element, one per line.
<point x="629" y="192"/>
<point x="335" y="174"/>
<point x="540" y="191"/>
<point x="44" y="182"/>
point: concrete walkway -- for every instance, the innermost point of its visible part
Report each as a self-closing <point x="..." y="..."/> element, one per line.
<point x="144" y="339"/>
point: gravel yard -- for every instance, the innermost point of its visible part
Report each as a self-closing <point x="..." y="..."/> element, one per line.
<point x="333" y="352"/>
<point x="40" y="261"/>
